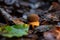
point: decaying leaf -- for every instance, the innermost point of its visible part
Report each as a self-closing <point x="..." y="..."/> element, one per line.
<point x="55" y="32"/>
<point x="14" y="30"/>
<point x="17" y="21"/>
<point x="49" y="36"/>
<point x="44" y="28"/>
<point x="56" y="5"/>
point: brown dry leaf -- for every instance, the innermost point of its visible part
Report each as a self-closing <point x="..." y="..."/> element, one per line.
<point x="56" y="33"/>
<point x="56" y="5"/>
<point x="53" y="33"/>
<point x="17" y="21"/>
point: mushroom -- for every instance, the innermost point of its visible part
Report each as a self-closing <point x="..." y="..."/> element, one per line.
<point x="33" y="19"/>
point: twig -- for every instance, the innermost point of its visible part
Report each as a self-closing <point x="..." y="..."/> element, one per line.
<point x="9" y="17"/>
<point x="6" y="15"/>
<point x="50" y="8"/>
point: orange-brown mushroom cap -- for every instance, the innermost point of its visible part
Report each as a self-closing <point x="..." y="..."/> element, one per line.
<point x="33" y="19"/>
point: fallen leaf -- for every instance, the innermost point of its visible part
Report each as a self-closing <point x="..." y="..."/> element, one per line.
<point x="15" y="30"/>
<point x="17" y="21"/>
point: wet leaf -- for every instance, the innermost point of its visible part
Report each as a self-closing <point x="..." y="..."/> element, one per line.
<point x="44" y="28"/>
<point x="15" y="30"/>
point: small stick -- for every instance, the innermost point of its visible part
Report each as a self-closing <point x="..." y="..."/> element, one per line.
<point x="9" y="17"/>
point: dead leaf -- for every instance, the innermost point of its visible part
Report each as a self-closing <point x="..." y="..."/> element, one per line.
<point x="17" y="21"/>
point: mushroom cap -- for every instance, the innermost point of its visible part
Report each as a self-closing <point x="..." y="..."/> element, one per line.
<point x="33" y="18"/>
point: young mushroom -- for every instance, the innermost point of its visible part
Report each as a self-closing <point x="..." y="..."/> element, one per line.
<point x="33" y="20"/>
